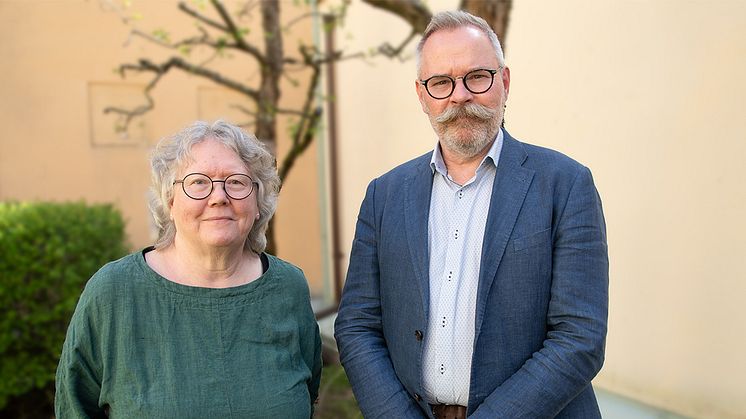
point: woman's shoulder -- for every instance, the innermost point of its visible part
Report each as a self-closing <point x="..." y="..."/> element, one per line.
<point x="115" y="276"/>
<point x="283" y="266"/>
<point x="286" y="272"/>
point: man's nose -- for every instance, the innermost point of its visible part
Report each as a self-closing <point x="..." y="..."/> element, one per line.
<point x="460" y="93"/>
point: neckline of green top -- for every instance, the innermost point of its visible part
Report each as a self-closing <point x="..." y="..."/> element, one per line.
<point x="205" y="292"/>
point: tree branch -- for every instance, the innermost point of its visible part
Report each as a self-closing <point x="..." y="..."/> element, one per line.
<point x="207" y="21"/>
<point x="197" y="40"/>
<point x="310" y="120"/>
<point x="145" y="65"/>
<point x="178" y="62"/>
<point x="391" y="52"/>
<point x="130" y="114"/>
<point x="236" y="34"/>
<point x="415" y="12"/>
<point x="278" y="111"/>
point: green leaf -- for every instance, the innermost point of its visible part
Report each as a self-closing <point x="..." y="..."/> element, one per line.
<point x="185" y="50"/>
<point x="161" y="35"/>
<point x="201" y="4"/>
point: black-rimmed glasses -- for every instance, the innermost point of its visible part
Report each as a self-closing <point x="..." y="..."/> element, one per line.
<point x="199" y="186"/>
<point x="476" y="81"/>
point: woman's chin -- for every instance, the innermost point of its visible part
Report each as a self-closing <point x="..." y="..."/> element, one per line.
<point x="222" y="241"/>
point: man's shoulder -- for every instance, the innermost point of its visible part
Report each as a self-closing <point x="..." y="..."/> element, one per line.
<point x="407" y="169"/>
<point x="542" y="158"/>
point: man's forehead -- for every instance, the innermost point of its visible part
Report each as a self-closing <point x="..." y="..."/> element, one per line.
<point x="455" y="36"/>
<point x="463" y="47"/>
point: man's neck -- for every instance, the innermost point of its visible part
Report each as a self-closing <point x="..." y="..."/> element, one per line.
<point x="462" y="168"/>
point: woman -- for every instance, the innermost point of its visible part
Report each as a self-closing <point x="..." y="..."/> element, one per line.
<point x="204" y="323"/>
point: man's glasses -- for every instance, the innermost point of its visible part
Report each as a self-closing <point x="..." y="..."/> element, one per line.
<point x="476" y="81"/>
<point x="199" y="186"/>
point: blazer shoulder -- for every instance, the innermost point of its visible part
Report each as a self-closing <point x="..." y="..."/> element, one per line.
<point x="543" y="159"/>
<point x="407" y="169"/>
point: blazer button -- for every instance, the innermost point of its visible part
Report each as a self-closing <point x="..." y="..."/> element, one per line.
<point x="417" y="397"/>
<point x="418" y="334"/>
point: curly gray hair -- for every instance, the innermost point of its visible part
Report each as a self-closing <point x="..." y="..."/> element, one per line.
<point x="173" y="152"/>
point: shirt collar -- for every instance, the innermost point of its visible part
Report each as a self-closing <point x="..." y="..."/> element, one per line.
<point x="493" y="155"/>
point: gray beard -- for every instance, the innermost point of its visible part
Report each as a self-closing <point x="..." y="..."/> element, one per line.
<point x="467" y="130"/>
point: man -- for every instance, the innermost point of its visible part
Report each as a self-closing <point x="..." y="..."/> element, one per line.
<point x="478" y="278"/>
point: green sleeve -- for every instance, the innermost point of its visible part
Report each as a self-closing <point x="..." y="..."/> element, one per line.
<point x="78" y="383"/>
<point x="311" y="339"/>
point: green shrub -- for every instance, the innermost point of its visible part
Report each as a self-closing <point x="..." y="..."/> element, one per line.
<point x="47" y="253"/>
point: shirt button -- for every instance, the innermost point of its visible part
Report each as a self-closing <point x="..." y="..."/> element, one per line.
<point x="418" y="334"/>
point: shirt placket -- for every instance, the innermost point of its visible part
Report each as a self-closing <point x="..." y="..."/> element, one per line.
<point x="449" y="288"/>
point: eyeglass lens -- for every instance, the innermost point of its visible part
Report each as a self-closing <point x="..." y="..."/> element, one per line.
<point x="199" y="186"/>
<point x="477" y="81"/>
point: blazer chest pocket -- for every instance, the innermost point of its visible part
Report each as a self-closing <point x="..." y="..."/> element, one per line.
<point x="532" y="240"/>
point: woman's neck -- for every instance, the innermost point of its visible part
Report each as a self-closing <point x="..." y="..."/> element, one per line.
<point x="206" y="267"/>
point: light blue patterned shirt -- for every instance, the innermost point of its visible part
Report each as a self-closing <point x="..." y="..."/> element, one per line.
<point x="458" y="214"/>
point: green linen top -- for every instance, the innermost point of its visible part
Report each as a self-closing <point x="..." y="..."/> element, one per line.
<point x="141" y="346"/>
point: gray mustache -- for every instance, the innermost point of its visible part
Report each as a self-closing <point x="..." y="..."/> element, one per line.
<point x="470" y="110"/>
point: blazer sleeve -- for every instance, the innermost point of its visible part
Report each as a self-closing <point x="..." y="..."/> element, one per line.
<point x="573" y="351"/>
<point x="358" y="328"/>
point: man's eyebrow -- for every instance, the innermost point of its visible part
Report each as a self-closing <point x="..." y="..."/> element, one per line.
<point x="479" y="67"/>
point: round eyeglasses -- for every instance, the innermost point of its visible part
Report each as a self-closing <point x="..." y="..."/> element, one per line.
<point x="476" y="81"/>
<point x="199" y="186"/>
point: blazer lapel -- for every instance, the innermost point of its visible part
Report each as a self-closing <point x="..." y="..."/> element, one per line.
<point x="508" y="193"/>
<point x="417" y="191"/>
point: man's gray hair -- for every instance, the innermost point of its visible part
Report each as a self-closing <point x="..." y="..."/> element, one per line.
<point x="172" y="153"/>
<point x="455" y="19"/>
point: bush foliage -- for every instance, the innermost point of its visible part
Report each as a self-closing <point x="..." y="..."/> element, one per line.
<point x="47" y="253"/>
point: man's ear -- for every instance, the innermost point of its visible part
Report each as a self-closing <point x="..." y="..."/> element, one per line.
<point x="506" y="80"/>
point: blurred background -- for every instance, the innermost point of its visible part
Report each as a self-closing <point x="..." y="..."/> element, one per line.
<point x="650" y="95"/>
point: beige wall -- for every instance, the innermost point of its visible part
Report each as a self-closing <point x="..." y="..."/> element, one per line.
<point x="649" y="95"/>
<point x="56" y="72"/>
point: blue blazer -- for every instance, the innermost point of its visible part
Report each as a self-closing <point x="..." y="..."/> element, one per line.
<point x="541" y="303"/>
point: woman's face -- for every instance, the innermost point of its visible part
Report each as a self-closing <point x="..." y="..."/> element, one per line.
<point x="217" y="221"/>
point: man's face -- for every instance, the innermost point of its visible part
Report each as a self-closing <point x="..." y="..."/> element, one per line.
<point x="468" y="122"/>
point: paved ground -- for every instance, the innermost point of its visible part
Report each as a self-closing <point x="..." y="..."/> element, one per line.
<point x="614" y="406"/>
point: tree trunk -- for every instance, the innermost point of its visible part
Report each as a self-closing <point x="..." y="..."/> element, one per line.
<point x="269" y="90"/>
<point x="271" y="68"/>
